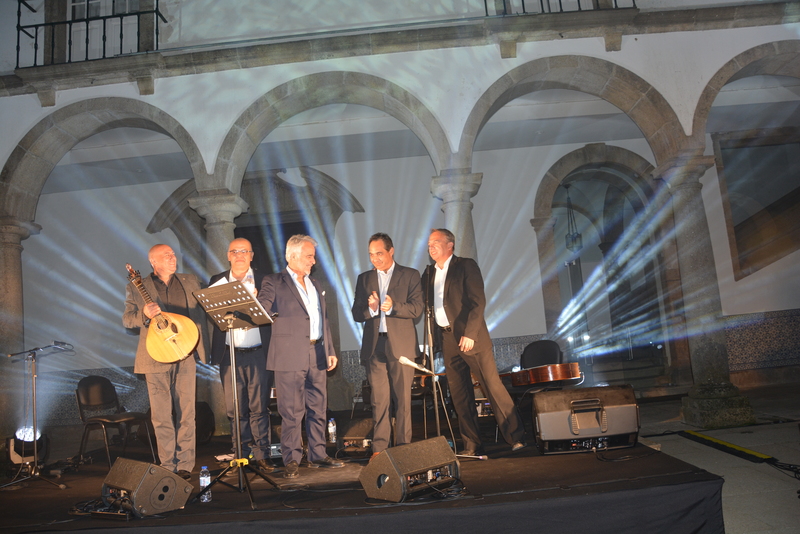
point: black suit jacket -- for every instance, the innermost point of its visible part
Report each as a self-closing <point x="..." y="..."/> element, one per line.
<point x="219" y="350"/>
<point x="406" y="293"/>
<point x="464" y="301"/>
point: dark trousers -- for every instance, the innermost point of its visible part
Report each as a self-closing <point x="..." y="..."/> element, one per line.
<point x="253" y="383"/>
<point x="391" y="386"/>
<point x="303" y="394"/>
<point x="483" y="367"/>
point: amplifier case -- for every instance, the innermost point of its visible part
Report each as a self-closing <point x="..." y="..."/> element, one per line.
<point x="151" y="488"/>
<point x="582" y="419"/>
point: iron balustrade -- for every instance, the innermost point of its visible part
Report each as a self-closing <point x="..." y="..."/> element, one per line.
<point x="38" y="32"/>
<point x="61" y="45"/>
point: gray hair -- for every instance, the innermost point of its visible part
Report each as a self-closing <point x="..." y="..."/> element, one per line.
<point x="295" y="244"/>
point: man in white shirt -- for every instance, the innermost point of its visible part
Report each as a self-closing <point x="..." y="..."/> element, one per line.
<point x="253" y="380"/>
<point x="300" y="353"/>
<point x="388" y="298"/>
<point x="454" y="290"/>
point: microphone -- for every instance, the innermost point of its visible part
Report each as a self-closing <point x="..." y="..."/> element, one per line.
<point x="405" y="361"/>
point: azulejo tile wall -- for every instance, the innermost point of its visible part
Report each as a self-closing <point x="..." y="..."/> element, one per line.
<point x="755" y="341"/>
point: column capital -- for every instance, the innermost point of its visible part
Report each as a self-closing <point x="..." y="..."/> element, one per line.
<point x="218" y="207"/>
<point x="684" y="170"/>
<point x="456" y="186"/>
<point x="13" y="231"/>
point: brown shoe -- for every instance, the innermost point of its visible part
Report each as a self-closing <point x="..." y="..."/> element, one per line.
<point x="292" y="470"/>
<point x="265" y="465"/>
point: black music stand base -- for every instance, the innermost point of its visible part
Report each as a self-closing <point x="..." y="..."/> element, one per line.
<point x="231" y="306"/>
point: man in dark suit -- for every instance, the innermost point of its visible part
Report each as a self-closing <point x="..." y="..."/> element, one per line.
<point x="300" y="352"/>
<point x="388" y="299"/>
<point x="170" y="386"/>
<point x="253" y="381"/>
<point x="454" y="291"/>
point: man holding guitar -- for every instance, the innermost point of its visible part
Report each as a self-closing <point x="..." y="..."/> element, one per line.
<point x="170" y="321"/>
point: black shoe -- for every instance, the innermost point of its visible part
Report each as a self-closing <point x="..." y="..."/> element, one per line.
<point x="472" y="452"/>
<point x="265" y="465"/>
<point x="327" y="462"/>
<point x="292" y="470"/>
<point x="185" y="475"/>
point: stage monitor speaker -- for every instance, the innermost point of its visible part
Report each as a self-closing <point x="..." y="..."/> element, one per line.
<point x="144" y="489"/>
<point x="410" y="470"/>
<point x="585" y="419"/>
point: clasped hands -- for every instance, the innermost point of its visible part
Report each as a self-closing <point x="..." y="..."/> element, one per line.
<point x="374" y="300"/>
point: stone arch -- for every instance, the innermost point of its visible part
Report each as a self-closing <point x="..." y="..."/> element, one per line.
<point x="648" y="109"/>
<point x="779" y="58"/>
<point x="315" y="90"/>
<point x="598" y="154"/>
<point x="38" y="152"/>
<point x="633" y="174"/>
<point x="615" y="158"/>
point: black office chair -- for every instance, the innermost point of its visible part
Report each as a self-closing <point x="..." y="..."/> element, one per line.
<point x="541" y="352"/>
<point x="99" y="407"/>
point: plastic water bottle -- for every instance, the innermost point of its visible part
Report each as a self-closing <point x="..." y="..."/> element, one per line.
<point x="332" y="430"/>
<point x="205" y="480"/>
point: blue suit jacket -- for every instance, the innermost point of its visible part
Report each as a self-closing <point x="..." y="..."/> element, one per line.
<point x="288" y="346"/>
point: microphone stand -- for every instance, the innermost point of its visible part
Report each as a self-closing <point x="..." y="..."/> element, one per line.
<point x="428" y="352"/>
<point x="30" y="355"/>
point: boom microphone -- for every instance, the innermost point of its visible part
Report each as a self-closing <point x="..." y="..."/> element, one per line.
<point x="405" y="361"/>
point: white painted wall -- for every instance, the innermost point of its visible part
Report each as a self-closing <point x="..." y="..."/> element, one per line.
<point x="74" y="283"/>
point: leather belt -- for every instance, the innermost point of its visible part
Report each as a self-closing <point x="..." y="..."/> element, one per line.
<point x="445" y="328"/>
<point x="315" y="341"/>
<point x="248" y="349"/>
<point x="383" y="334"/>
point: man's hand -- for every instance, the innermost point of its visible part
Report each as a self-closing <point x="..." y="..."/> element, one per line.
<point x="373" y="301"/>
<point x="387" y="304"/>
<point x="151" y="310"/>
<point x="466" y="344"/>
<point x="332" y="362"/>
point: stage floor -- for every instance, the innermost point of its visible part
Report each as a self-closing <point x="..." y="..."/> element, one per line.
<point x="634" y="489"/>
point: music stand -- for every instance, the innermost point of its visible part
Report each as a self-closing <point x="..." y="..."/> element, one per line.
<point x="232" y="306"/>
<point x="30" y="355"/>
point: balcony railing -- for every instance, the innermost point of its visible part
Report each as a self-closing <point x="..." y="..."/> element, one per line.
<point x="100" y="37"/>
<point x="97" y="37"/>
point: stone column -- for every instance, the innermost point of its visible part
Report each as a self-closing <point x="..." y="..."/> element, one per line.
<point x="548" y="269"/>
<point x="713" y="402"/>
<point x="454" y="189"/>
<point x="219" y="210"/>
<point x="12" y="332"/>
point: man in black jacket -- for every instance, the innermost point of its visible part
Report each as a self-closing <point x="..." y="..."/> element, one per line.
<point x="388" y="299"/>
<point x="453" y="288"/>
<point x="253" y="381"/>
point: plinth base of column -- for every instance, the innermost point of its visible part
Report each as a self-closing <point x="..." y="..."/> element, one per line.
<point x="717" y="412"/>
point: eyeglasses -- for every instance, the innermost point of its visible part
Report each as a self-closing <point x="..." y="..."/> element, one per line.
<point x="240" y="252"/>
